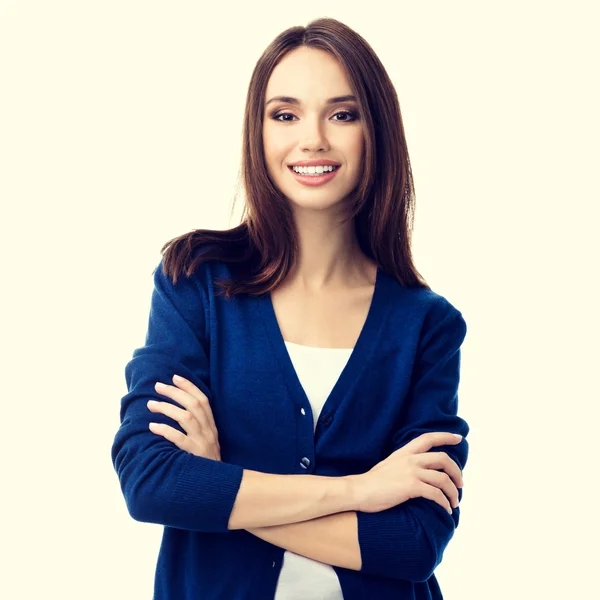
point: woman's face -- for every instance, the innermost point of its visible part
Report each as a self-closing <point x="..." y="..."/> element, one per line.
<point x="311" y="129"/>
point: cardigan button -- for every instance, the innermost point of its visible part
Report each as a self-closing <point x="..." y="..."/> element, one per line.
<point x="327" y="420"/>
<point x="305" y="462"/>
<point x="303" y="411"/>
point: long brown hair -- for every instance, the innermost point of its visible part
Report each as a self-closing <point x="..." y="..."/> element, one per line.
<point x="264" y="247"/>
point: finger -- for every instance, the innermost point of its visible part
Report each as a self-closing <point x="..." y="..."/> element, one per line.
<point x="173" y="435"/>
<point x="434" y="493"/>
<point x="186" y="419"/>
<point x="440" y="460"/>
<point x="188" y="386"/>
<point x="189" y="402"/>
<point x="428" y="440"/>
<point x="194" y="390"/>
<point x="438" y="438"/>
<point x="441" y="481"/>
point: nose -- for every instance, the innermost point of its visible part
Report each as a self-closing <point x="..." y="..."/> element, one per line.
<point x="312" y="136"/>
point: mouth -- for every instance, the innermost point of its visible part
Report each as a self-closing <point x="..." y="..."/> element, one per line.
<point x="316" y="179"/>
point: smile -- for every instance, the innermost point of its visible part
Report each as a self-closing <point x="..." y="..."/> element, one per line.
<point x="314" y="179"/>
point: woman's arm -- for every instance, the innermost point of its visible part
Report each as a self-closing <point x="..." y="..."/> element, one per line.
<point x="164" y="484"/>
<point x="261" y="499"/>
<point x="332" y="539"/>
<point x="266" y="500"/>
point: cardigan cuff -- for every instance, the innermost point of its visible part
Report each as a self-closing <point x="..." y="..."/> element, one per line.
<point x="204" y="494"/>
<point x="393" y="544"/>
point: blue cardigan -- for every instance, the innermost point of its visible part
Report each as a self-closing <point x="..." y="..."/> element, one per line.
<point x="401" y="380"/>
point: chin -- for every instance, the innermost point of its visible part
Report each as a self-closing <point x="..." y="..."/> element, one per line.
<point x="316" y="203"/>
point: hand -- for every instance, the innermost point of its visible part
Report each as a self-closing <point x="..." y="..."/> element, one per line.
<point x="197" y="419"/>
<point x="410" y="472"/>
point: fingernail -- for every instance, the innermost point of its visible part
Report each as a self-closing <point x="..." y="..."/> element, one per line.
<point x="160" y="385"/>
<point x="177" y="378"/>
<point x="457" y="435"/>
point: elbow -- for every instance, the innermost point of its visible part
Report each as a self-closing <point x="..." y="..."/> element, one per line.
<point x="416" y="565"/>
<point x="405" y="542"/>
<point x="419" y="565"/>
<point x="146" y="501"/>
<point x="143" y="507"/>
<point x="139" y="473"/>
<point x="425" y="563"/>
<point x="435" y="535"/>
<point x="138" y="500"/>
<point x="395" y="543"/>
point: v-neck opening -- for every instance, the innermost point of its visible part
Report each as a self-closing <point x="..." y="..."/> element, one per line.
<point x="356" y="362"/>
<point x="317" y="348"/>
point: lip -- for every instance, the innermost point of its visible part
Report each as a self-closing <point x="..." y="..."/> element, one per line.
<point x="313" y="180"/>
<point x="313" y="163"/>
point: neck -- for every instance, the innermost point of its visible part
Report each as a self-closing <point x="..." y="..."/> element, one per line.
<point x="329" y="255"/>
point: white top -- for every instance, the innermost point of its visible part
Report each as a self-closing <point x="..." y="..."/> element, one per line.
<point x="318" y="369"/>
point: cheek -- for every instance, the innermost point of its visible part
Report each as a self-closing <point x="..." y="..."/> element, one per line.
<point x="274" y="148"/>
<point x="352" y="143"/>
<point x="271" y="155"/>
<point x="357" y="142"/>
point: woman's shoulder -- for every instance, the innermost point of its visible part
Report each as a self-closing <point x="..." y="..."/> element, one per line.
<point x="190" y="264"/>
<point x="422" y="302"/>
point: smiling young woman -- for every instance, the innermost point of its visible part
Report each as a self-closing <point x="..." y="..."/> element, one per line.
<point x="351" y="117"/>
<point x="294" y="458"/>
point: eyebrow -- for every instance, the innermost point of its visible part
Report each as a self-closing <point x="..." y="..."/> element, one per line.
<point x="334" y="100"/>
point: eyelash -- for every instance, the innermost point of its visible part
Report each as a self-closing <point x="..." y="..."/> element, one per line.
<point x="341" y="112"/>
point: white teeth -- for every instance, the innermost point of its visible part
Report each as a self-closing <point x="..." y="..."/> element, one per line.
<point x="316" y="170"/>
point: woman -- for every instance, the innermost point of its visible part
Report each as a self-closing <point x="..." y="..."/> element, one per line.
<point x="323" y="354"/>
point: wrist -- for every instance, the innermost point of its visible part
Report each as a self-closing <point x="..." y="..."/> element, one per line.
<point x="352" y="492"/>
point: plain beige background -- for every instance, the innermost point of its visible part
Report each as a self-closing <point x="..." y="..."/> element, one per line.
<point x="120" y="128"/>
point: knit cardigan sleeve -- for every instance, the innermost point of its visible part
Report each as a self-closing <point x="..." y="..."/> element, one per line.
<point x="161" y="483"/>
<point x="407" y="541"/>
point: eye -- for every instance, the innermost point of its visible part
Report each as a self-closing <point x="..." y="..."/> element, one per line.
<point x="283" y="114"/>
<point x="350" y="116"/>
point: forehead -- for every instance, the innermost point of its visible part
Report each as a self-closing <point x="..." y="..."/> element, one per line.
<point x="308" y="74"/>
